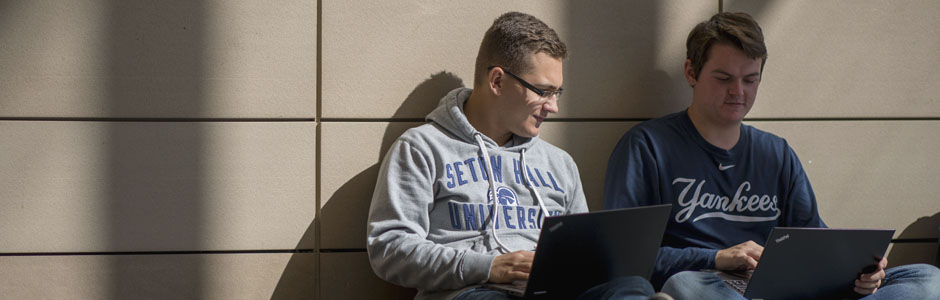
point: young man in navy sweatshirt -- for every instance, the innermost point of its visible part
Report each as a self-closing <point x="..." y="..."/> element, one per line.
<point x="729" y="183"/>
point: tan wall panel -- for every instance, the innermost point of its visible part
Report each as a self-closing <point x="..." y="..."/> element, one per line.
<point x="147" y="186"/>
<point x="626" y="57"/>
<point x="870" y="174"/>
<point x="847" y="58"/>
<point x="912" y="253"/>
<point x="158" y="59"/>
<point x="351" y="154"/>
<point x="182" y="276"/>
<point x="349" y="276"/>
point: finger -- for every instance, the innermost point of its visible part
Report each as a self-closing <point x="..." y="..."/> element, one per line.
<point x="522" y="268"/>
<point x="863" y="291"/>
<point x="518" y="275"/>
<point x="755" y="253"/>
<point x="878" y="276"/>
<point x="874" y="276"/>
<point x="753" y="249"/>
<point x="751" y="263"/>
<point x="866" y="284"/>
<point x="526" y="255"/>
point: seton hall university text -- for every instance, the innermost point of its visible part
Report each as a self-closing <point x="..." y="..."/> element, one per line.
<point x="512" y="215"/>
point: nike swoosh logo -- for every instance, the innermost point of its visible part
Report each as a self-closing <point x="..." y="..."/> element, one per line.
<point x="722" y="168"/>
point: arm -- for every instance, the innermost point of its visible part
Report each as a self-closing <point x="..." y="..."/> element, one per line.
<point x="399" y="250"/>
<point x="799" y="209"/>
<point x="633" y="180"/>
<point x="576" y="202"/>
<point x="632" y="174"/>
<point x="674" y="260"/>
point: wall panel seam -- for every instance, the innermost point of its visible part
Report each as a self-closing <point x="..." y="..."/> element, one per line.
<point x="265" y="251"/>
<point x="589" y="120"/>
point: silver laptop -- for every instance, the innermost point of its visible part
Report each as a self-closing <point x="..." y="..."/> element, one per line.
<point x="579" y="251"/>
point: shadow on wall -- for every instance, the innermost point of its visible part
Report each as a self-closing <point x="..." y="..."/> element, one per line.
<point x="617" y="70"/>
<point x="348" y="207"/>
<point x="920" y="252"/>
<point x="154" y="189"/>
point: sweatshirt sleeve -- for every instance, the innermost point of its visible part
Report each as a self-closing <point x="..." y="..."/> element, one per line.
<point x="799" y="209"/>
<point x="633" y="180"/>
<point x="398" y="223"/>
<point x="577" y="203"/>
<point x="674" y="260"/>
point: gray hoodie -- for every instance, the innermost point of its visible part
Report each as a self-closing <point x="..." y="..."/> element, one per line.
<point x="430" y="224"/>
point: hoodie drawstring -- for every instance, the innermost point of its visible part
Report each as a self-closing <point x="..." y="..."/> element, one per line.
<point x="495" y="198"/>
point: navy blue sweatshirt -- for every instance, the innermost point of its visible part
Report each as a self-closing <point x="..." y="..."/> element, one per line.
<point x="720" y="198"/>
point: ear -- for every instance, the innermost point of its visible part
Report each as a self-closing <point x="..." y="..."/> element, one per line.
<point x="689" y="73"/>
<point x="494" y="80"/>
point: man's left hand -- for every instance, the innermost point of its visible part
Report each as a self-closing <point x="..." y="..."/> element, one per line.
<point x="869" y="283"/>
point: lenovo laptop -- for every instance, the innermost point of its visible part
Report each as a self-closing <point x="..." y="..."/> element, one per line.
<point x="579" y="251"/>
<point x="812" y="263"/>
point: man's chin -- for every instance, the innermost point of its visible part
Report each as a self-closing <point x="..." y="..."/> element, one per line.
<point x="528" y="133"/>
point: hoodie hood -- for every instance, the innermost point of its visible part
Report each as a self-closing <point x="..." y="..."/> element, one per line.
<point x="450" y="115"/>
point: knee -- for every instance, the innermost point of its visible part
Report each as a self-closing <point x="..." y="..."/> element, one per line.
<point x="929" y="273"/>
<point x="681" y="283"/>
<point x="620" y="287"/>
<point x="635" y="284"/>
<point x="925" y="277"/>
<point x="687" y="277"/>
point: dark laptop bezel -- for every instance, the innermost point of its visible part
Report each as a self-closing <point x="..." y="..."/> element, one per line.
<point x="578" y="251"/>
<point x="816" y="263"/>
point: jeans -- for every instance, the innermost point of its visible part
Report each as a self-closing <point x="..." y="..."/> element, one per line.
<point x="918" y="281"/>
<point x="625" y="288"/>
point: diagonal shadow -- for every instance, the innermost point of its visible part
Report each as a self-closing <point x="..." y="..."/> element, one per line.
<point x="924" y="228"/>
<point x="346" y="212"/>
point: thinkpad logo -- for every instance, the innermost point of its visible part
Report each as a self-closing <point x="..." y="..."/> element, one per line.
<point x="783" y="238"/>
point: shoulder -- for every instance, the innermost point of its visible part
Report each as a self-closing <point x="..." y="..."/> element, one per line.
<point x="422" y="135"/>
<point x="659" y="130"/>
<point x="763" y="139"/>
<point x="550" y="150"/>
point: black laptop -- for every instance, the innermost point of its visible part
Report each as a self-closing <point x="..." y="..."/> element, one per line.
<point x="579" y="251"/>
<point x="814" y="263"/>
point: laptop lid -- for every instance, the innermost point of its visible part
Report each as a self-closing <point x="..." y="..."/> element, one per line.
<point x="579" y="251"/>
<point x="816" y="263"/>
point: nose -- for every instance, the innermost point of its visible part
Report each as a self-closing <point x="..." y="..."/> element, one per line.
<point x="736" y="88"/>
<point x="551" y="104"/>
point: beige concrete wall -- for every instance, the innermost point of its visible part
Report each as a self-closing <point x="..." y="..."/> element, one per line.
<point x="176" y="150"/>
<point x="158" y="150"/>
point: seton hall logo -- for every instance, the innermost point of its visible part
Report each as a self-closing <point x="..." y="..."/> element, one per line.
<point x="505" y="195"/>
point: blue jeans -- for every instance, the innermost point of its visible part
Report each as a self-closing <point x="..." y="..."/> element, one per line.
<point x="625" y="288"/>
<point x="919" y="281"/>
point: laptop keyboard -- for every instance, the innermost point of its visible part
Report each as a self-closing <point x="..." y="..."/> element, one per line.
<point x="738" y="285"/>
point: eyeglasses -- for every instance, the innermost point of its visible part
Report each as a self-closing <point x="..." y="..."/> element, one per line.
<point x="542" y="93"/>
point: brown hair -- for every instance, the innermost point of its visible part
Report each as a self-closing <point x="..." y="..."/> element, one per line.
<point x="510" y="41"/>
<point x="736" y="29"/>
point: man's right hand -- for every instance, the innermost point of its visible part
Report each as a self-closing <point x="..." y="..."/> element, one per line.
<point x="513" y="266"/>
<point x="743" y="256"/>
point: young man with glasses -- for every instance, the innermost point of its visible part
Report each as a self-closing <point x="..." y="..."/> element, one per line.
<point x="459" y="201"/>
<point x="729" y="183"/>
